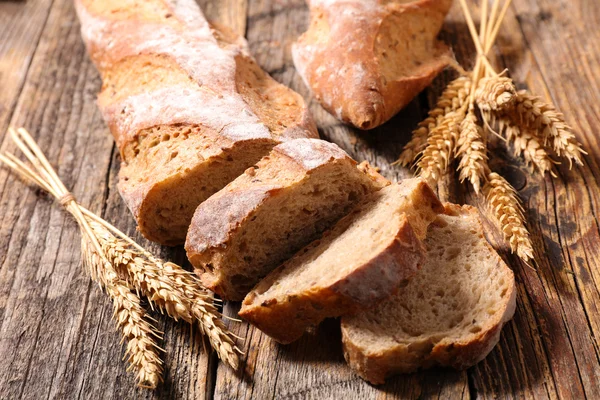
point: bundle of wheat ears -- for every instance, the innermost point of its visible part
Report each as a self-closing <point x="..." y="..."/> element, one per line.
<point x="480" y="103"/>
<point x="126" y="272"/>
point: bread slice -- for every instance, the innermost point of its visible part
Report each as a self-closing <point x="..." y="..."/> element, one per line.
<point x="364" y="60"/>
<point x="261" y="218"/>
<point x="189" y="108"/>
<point x="449" y="314"/>
<point x="361" y="261"/>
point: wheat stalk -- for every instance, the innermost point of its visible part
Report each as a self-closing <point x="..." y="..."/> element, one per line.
<point x="506" y="207"/>
<point x="451" y="99"/>
<point x="534" y="113"/>
<point x="171" y="289"/>
<point x="495" y="93"/>
<point x="141" y="346"/>
<point x="119" y="264"/>
<point x="472" y="152"/>
<point x="525" y="143"/>
<point x="532" y="127"/>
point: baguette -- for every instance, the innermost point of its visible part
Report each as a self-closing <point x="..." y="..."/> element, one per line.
<point x="187" y="105"/>
<point x="366" y="59"/>
<point x="360" y="262"/>
<point x="450" y="314"/>
<point x="257" y="221"/>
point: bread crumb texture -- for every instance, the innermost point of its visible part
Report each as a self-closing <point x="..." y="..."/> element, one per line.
<point x="450" y="314"/>
<point x="268" y="213"/>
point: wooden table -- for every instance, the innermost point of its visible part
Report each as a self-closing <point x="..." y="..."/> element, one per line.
<point x="57" y="339"/>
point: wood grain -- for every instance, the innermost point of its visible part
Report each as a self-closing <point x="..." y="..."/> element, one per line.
<point x="56" y="332"/>
<point x="21" y="26"/>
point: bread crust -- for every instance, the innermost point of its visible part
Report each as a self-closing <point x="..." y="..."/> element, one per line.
<point x="165" y="67"/>
<point x="375" y="367"/>
<point x="353" y="60"/>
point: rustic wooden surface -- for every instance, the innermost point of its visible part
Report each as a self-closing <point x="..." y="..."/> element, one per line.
<point x="57" y="339"/>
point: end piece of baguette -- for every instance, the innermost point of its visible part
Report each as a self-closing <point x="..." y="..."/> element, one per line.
<point x="365" y="60"/>
<point x="187" y="105"/>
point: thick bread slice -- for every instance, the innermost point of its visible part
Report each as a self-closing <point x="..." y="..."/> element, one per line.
<point x="449" y="314"/>
<point x="189" y="108"/>
<point x="360" y="262"/>
<point x="260" y="219"/>
<point x="366" y="59"/>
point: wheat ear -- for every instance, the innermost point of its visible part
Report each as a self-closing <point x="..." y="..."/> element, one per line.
<point x="171" y="289"/>
<point x="506" y="207"/>
<point x="441" y="145"/>
<point x="472" y="151"/>
<point x="451" y="99"/>
<point x="495" y="93"/>
<point x="141" y="349"/>
<point x="525" y="143"/>
<point x="536" y="114"/>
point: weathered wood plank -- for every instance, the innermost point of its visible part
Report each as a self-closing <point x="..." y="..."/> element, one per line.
<point x="556" y="323"/>
<point x="56" y="331"/>
<point x="21" y="25"/>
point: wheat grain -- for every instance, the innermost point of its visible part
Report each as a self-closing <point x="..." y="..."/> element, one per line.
<point x="453" y="98"/>
<point x="171" y="289"/>
<point x="495" y="93"/>
<point x="506" y="207"/>
<point x="141" y="349"/>
<point x="472" y="152"/>
<point x="202" y="310"/>
<point x="441" y="145"/>
<point x="526" y="143"/>
<point x="536" y="114"/>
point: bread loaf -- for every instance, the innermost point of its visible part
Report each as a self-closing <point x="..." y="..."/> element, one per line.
<point x="360" y="262"/>
<point x="366" y="59"/>
<point x="189" y="108"/>
<point x="450" y="314"/>
<point x="247" y="229"/>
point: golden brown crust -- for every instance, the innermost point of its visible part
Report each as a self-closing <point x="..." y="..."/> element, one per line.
<point x="218" y="218"/>
<point x="366" y="59"/>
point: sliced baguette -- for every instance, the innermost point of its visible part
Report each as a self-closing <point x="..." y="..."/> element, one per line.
<point x="265" y="215"/>
<point x="361" y="261"/>
<point x="449" y="314"/>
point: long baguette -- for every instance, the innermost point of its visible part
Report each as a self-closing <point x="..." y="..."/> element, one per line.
<point x="188" y="107"/>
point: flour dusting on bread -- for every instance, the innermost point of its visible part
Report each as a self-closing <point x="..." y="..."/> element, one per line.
<point x="364" y="60"/>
